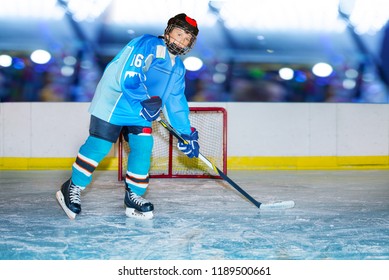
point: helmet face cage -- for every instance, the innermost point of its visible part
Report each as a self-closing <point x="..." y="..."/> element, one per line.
<point x="174" y="48"/>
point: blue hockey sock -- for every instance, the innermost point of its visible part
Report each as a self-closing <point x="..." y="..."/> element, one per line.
<point x="137" y="177"/>
<point x="91" y="153"/>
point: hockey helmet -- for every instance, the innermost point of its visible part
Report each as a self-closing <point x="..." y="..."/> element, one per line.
<point x="189" y="25"/>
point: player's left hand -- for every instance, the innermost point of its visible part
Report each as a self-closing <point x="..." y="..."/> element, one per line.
<point x="191" y="148"/>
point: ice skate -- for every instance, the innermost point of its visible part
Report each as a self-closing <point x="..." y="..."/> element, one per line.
<point x="137" y="206"/>
<point x="69" y="199"/>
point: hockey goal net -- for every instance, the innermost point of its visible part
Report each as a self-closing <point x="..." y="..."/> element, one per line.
<point x="168" y="162"/>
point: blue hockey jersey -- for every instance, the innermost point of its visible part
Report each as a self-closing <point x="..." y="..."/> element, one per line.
<point x="143" y="68"/>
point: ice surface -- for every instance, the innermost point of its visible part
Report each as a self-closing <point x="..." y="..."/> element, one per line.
<point x="338" y="215"/>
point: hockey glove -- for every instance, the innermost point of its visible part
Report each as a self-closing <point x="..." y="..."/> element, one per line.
<point x="151" y="108"/>
<point x="191" y="148"/>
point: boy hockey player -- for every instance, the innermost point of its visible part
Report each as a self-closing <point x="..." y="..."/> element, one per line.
<point x="145" y="77"/>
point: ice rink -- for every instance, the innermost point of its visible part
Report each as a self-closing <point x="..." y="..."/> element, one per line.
<point x="338" y="215"/>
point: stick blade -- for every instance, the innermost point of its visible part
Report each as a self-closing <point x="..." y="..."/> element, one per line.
<point x="278" y="205"/>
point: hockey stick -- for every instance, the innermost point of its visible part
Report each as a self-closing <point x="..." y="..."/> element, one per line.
<point x="274" y="205"/>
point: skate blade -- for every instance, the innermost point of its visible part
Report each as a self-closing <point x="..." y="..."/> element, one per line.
<point x="61" y="201"/>
<point x="132" y="213"/>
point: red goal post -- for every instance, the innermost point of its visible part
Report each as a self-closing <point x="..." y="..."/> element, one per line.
<point x="168" y="162"/>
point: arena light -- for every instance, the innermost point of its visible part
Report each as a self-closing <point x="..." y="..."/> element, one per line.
<point x="351" y="73"/>
<point x="87" y="9"/>
<point x="40" y="56"/>
<point x="281" y="15"/>
<point x="368" y="16"/>
<point x="5" y="60"/>
<point x="193" y="63"/>
<point x="219" y="78"/>
<point x="26" y="9"/>
<point x="322" y="69"/>
<point x="158" y="12"/>
<point x="70" y="60"/>
<point x="286" y="73"/>
<point x="349" y="84"/>
<point x="67" y="71"/>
